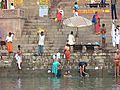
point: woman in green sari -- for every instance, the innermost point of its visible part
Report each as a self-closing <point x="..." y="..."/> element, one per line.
<point x="55" y="68"/>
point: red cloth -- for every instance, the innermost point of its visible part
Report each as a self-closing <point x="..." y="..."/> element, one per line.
<point x="59" y="17"/>
<point x="116" y="62"/>
<point x="67" y="55"/>
<point x="97" y="25"/>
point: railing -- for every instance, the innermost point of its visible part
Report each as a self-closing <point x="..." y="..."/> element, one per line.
<point x="12" y="13"/>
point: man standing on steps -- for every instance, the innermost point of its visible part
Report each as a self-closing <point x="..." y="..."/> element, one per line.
<point x="71" y="41"/>
<point x="9" y="40"/>
<point x="41" y="43"/>
<point x="75" y="9"/>
<point x="117" y="36"/>
<point x="113" y="9"/>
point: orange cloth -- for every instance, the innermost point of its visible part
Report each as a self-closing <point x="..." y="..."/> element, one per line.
<point x="67" y="55"/>
<point x="9" y="47"/>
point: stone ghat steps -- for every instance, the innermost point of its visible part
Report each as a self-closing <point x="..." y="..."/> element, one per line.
<point x="34" y="62"/>
<point x="84" y="11"/>
<point x="29" y="48"/>
<point x="38" y="20"/>
<point x="32" y="46"/>
<point x="32" y="28"/>
<point x="59" y="40"/>
<point x="81" y="3"/>
<point x="56" y="39"/>
<point x="53" y="45"/>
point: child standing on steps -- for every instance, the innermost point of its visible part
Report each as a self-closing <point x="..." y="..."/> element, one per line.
<point x="116" y="63"/>
<point x="75" y="9"/>
<point x="18" y="57"/>
<point x="103" y="35"/>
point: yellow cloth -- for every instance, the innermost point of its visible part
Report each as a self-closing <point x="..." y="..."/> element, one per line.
<point x="40" y="30"/>
<point x="18" y="2"/>
<point x="55" y="19"/>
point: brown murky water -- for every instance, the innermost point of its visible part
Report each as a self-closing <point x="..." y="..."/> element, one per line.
<point x="40" y="80"/>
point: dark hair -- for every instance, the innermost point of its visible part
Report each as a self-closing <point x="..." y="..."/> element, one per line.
<point x="42" y="32"/>
<point x="96" y="12"/>
<point x="71" y="32"/>
<point x="75" y="3"/>
<point x="68" y="45"/>
<point x="18" y="46"/>
<point x="10" y="33"/>
<point x="103" y="25"/>
<point x="12" y="4"/>
<point x="117" y="26"/>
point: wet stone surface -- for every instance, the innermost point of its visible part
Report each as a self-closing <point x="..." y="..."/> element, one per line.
<point x="30" y="61"/>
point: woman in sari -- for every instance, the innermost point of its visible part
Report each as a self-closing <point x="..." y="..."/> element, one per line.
<point x="67" y="53"/>
<point x="60" y="14"/>
<point x="97" y="25"/>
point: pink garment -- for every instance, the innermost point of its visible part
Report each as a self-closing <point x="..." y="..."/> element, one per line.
<point x="97" y="25"/>
<point x="59" y="17"/>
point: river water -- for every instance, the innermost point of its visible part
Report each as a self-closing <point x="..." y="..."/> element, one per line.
<point x="41" y="80"/>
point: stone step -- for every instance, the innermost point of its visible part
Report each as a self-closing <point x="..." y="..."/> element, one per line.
<point x="68" y="12"/>
<point x="39" y="20"/>
<point x="37" y="24"/>
<point x="86" y="34"/>
<point x="30" y="27"/>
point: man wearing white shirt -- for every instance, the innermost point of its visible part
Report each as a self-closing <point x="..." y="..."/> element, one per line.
<point x="56" y="56"/>
<point x="41" y="43"/>
<point x="71" y="40"/>
<point x="117" y="36"/>
<point x="113" y="33"/>
<point x="9" y="40"/>
<point x="12" y="6"/>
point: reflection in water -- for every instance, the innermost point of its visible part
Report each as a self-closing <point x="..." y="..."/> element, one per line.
<point x="55" y="83"/>
<point x="38" y="82"/>
<point x="116" y="86"/>
<point x="18" y="83"/>
<point x="82" y="82"/>
<point x="68" y="83"/>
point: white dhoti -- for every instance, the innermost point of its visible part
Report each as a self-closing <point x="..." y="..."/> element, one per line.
<point x="114" y="39"/>
<point x="19" y="60"/>
<point x="117" y="40"/>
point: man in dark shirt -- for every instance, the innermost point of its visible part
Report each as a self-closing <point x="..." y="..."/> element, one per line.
<point x="82" y="67"/>
<point x="103" y="3"/>
<point x="113" y="9"/>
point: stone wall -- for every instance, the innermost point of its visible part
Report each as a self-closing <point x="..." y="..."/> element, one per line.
<point x="14" y="25"/>
<point x="32" y="62"/>
<point x="12" y="21"/>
